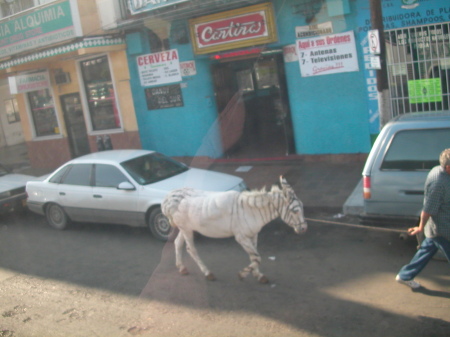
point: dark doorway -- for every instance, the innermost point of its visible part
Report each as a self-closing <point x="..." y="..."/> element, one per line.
<point x="75" y="125"/>
<point x="261" y="125"/>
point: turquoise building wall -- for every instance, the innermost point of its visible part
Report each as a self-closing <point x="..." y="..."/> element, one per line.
<point x="189" y="130"/>
<point x="330" y="113"/>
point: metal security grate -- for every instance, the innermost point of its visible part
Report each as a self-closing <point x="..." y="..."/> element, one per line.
<point x="418" y="63"/>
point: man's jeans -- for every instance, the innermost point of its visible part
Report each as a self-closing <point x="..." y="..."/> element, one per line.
<point x="424" y="254"/>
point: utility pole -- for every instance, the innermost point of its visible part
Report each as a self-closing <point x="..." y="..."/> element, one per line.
<point x="384" y="97"/>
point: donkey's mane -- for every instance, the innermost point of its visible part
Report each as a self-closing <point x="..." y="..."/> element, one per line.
<point x="263" y="190"/>
<point x="258" y="198"/>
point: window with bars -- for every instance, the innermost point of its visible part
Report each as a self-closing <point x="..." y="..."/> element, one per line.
<point x="418" y="63"/>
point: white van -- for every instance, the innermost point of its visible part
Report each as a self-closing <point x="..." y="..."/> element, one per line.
<point x="398" y="164"/>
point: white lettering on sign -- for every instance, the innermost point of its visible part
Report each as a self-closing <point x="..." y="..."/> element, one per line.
<point x="232" y="31"/>
<point x="242" y="27"/>
<point x="139" y="6"/>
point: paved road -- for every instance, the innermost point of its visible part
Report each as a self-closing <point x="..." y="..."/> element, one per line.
<point x="95" y="280"/>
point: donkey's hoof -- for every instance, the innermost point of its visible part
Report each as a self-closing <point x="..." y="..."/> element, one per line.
<point x="184" y="271"/>
<point x="210" y="277"/>
<point x="263" y="280"/>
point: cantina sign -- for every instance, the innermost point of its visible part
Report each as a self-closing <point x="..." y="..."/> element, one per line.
<point x="233" y="29"/>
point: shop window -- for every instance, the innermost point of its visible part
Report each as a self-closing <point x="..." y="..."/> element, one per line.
<point x="43" y="113"/>
<point x="12" y="111"/>
<point x="100" y="95"/>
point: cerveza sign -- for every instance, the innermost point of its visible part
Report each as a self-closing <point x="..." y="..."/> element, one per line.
<point x="139" y="6"/>
<point x="49" y="25"/>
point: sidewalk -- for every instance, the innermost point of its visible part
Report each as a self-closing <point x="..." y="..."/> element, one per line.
<point x="332" y="186"/>
<point x="15" y="157"/>
<point x="335" y="187"/>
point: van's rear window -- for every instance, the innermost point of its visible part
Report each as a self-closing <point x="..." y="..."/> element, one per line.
<point x="416" y="149"/>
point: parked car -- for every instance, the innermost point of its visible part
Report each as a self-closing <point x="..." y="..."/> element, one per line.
<point x="12" y="190"/>
<point x="119" y="187"/>
<point x="398" y="164"/>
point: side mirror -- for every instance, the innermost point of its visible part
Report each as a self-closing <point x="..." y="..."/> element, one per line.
<point x="126" y="186"/>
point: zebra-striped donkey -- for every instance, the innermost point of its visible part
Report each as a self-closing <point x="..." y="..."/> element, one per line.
<point x="231" y="213"/>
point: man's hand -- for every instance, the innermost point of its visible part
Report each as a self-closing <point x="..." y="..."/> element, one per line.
<point x="415" y="230"/>
<point x="424" y="216"/>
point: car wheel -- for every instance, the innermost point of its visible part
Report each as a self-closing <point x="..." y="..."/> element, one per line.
<point x="56" y="217"/>
<point x="159" y="225"/>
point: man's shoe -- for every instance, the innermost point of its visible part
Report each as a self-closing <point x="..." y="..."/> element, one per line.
<point x="411" y="283"/>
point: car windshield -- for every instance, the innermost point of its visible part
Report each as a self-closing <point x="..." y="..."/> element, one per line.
<point x="152" y="168"/>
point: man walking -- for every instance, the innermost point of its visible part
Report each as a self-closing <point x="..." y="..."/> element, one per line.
<point x="434" y="221"/>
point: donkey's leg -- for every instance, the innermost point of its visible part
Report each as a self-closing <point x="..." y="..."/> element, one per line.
<point x="189" y="236"/>
<point x="179" y="243"/>
<point x="249" y="245"/>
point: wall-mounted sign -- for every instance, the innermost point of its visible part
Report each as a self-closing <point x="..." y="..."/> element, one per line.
<point x="159" y="68"/>
<point x="290" y="53"/>
<point x="188" y="68"/>
<point x="238" y="28"/>
<point x="374" y="41"/>
<point x="325" y="28"/>
<point x="410" y="4"/>
<point x="425" y="91"/>
<point x="326" y="55"/>
<point x="168" y="96"/>
<point x="374" y="62"/>
<point x="139" y="6"/>
<point x="39" y="28"/>
<point x="29" y="82"/>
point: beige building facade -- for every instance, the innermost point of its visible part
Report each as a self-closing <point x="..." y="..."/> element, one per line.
<point x="68" y="79"/>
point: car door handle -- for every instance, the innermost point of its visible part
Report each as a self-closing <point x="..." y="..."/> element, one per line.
<point x="98" y="196"/>
<point x="62" y="193"/>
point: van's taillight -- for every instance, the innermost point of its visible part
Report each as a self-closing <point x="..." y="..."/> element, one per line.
<point x="366" y="187"/>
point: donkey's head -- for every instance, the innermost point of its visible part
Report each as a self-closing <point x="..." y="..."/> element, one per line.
<point x="291" y="210"/>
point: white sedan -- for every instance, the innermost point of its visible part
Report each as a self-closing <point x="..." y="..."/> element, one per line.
<point x="12" y="190"/>
<point x="119" y="187"/>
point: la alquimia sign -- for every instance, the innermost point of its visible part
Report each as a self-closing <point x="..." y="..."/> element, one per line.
<point x="49" y="25"/>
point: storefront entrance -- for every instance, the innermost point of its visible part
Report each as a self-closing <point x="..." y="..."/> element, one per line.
<point x="75" y="124"/>
<point x="253" y="94"/>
